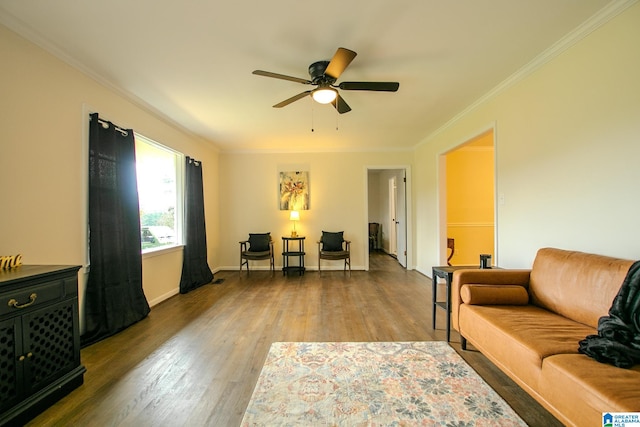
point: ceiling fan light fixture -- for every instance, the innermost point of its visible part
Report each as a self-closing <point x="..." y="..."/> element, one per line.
<point x="324" y="95"/>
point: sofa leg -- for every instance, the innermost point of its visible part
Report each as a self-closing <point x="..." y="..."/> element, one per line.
<point x="463" y="342"/>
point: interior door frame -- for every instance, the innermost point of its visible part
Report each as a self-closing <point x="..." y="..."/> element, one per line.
<point x="442" y="192"/>
<point x="407" y="211"/>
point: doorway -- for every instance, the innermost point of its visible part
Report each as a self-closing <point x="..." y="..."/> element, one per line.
<point x="393" y="221"/>
<point x="467" y="200"/>
<point x="388" y="192"/>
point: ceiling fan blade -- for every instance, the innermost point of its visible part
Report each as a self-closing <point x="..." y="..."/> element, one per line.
<point x="281" y="76"/>
<point x="340" y="61"/>
<point x="375" y="86"/>
<point x="340" y="105"/>
<point x="292" y="99"/>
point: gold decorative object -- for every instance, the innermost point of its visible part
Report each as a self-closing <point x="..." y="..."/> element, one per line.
<point x="12" y="261"/>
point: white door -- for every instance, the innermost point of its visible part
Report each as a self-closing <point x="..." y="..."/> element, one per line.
<point x="393" y="230"/>
<point x="401" y="219"/>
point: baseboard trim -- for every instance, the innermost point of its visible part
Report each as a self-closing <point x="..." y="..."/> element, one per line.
<point x="164" y="297"/>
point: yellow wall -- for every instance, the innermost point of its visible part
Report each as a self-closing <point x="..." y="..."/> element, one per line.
<point x="567" y="153"/>
<point x="44" y="110"/>
<point x="470" y="200"/>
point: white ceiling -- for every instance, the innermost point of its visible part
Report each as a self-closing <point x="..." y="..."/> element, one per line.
<point x="191" y="61"/>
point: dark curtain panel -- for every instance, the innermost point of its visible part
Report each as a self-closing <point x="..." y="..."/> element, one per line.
<point x="195" y="269"/>
<point x="114" y="298"/>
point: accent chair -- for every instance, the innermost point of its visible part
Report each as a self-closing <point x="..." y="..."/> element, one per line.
<point x="259" y="246"/>
<point x="332" y="246"/>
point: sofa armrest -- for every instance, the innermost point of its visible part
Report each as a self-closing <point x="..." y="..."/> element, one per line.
<point x="482" y="277"/>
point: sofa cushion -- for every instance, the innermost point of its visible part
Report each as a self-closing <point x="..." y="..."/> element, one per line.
<point x="576" y="285"/>
<point x="494" y="295"/>
<point x="595" y="387"/>
<point x="518" y="338"/>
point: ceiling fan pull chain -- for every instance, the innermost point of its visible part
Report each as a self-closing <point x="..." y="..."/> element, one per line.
<point x="312" y="110"/>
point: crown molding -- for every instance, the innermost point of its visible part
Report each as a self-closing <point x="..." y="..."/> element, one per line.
<point x="26" y="32"/>
<point x="603" y="16"/>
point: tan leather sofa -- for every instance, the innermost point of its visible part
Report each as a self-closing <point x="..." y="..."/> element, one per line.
<point x="529" y="323"/>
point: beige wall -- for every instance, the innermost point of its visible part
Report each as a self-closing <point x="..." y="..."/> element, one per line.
<point x="567" y="153"/>
<point x="44" y="110"/>
<point x="338" y="191"/>
<point x="567" y="150"/>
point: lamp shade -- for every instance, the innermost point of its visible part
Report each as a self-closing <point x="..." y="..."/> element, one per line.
<point x="294" y="216"/>
<point x="324" y="95"/>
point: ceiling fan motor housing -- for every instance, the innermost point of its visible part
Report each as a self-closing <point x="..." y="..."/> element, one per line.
<point x="316" y="71"/>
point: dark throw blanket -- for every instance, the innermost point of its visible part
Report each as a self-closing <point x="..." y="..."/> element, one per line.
<point x="618" y="339"/>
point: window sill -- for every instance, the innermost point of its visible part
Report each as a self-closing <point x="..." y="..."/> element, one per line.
<point x="150" y="253"/>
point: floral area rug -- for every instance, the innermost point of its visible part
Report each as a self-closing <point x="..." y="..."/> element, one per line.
<point x="373" y="384"/>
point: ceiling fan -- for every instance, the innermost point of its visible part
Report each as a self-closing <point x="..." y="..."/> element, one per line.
<point x="324" y="75"/>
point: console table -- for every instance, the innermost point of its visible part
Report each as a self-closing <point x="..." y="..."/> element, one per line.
<point x="39" y="339"/>
<point x="445" y="272"/>
<point x="292" y="253"/>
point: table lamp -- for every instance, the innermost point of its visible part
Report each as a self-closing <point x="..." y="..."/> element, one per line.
<point x="294" y="216"/>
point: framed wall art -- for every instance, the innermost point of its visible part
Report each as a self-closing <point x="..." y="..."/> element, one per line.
<point x="294" y="191"/>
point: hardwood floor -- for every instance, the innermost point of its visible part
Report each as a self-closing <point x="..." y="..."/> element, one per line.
<point x="196" y="358"/>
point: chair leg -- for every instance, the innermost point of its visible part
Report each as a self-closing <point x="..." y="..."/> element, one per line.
<point x="347" y="261"/>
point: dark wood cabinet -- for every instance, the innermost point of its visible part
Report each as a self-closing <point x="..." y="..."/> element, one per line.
<point x="39" y="339"/>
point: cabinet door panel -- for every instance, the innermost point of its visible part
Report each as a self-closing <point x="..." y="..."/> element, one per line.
<point x="49" y="344"/>
<point x="10" y="365"/>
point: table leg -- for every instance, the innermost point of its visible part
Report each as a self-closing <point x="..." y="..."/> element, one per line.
<point x="434" y="298"/>
<point x="448" y="316"/>
<point x="285" y="259"/>
<point x="302" y="257"/>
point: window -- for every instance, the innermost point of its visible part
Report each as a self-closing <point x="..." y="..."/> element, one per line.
<point x="159" y="172"/>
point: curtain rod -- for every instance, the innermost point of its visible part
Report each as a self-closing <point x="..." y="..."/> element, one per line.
<point x="106" y="124"/>
<point x="119" y="129"/>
